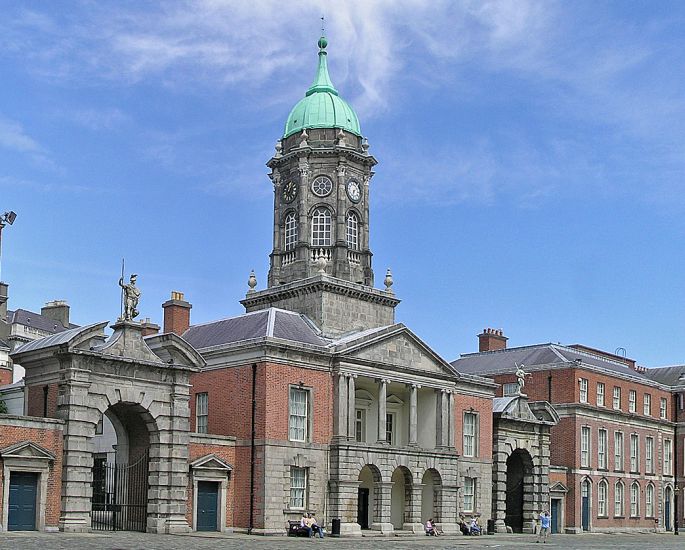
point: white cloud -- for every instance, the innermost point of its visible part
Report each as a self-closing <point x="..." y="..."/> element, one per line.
<point x="14" y="137"/>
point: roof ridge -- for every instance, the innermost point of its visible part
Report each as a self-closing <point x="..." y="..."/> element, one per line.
<point x="505" y="350"/>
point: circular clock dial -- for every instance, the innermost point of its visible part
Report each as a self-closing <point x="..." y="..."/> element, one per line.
<point x="322" y="186"/>
<point x="289" y="191"/>
<point x="354" y="190"/>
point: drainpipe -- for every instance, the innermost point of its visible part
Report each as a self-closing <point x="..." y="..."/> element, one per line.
<point x="549" y="389"/>
<point x="676" y="491"/>
<point x="252" y="446"/>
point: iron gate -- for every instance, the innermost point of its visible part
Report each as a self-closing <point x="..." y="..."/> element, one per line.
<point x="120" y="496"/>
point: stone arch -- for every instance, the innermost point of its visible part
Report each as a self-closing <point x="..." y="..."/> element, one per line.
<point x="431" y="491"/>
<point x="401" y="496"/>
<point x="519" y="509"/>
<point x="370" y="496"/>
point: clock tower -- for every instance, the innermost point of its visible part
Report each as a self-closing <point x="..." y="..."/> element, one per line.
<point x="321" y="172"/>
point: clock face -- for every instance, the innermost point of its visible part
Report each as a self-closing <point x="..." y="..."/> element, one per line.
<point x="289" y="191"/>
<point x="322" y="186"/>
<point x="354" y="191"/>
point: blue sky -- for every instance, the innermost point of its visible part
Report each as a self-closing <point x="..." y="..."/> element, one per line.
<point x="531" y="158"/>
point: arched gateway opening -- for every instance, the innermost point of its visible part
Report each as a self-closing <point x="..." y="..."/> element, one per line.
<point x="519" y="470"/>
<point x="121" y="468"/>
<point x="367" y="496"/>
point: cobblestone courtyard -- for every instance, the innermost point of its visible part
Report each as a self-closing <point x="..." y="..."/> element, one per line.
<point x="143" y="541"/>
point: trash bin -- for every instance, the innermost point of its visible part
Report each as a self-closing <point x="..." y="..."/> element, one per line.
<point x="491" y="527"/>
<point x="335" y="527"/>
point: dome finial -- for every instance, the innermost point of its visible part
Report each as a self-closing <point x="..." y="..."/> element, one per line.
<point x="322" y="41"/>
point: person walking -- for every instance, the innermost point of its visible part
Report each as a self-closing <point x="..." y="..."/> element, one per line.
<point x="545" y="521"/>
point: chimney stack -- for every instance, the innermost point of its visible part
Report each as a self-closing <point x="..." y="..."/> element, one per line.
<point x="176" y="313"/>
<point x="492" y="340"/>
<point x="57" y="310"/>
<point x="149" y="328"/>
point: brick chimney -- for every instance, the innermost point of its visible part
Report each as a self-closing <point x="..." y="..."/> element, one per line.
<point x="176" y="313"/>
<point x="57" y="310"/>
<point x="492" y="340"/>
<point x="149" y="328"/>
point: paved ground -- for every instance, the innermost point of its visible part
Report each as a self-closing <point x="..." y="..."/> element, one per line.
<point x="143" y="541"/>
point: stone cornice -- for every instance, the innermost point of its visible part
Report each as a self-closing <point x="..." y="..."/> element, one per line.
<point x="319" y="283"/>
<point x="335" y="150"/>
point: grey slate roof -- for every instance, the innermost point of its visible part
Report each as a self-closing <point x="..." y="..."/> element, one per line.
<point x="4" y="344"/>
<point x="36" y="320"/>
<point x="53" y="340"/>
<point x="503" y="361"/>
<point x="271" y="322"/>
<point x="666" y="375"/>
<point x="499" y="404"/>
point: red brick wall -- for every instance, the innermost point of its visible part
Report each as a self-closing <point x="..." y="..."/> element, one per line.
<point x="34" y="400"/>
<point x="50" y="439"/>
<point x="482" y="406"/>
<point x="227" y="454"/>
<point x="565" y="388"/>
<point x="5" y="376"/>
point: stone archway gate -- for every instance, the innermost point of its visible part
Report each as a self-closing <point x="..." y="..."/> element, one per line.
<point x="521" y="425"/>
<point x="90" y="375"/>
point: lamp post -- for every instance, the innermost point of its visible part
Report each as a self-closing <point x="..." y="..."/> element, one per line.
<point x="676" y="492"/>
<point x="5" y="219"/>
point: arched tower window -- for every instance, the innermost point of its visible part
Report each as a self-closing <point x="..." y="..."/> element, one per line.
<point x="352" y="231"/>
<point x="290" y="231"/>
<point x="321" y="227"/>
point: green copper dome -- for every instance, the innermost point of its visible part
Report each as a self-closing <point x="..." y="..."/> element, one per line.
<point x="322" y="107"/>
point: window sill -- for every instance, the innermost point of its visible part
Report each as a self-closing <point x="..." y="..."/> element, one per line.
<point x="603" y="517"/>
<point x="619" y="517"/>
<point x="621" y="471"/>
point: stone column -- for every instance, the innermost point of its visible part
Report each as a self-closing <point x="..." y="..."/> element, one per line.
<point x="413" y="513"/>
<point x="77" y="466"/>
<point x="382" y="507"/>
<point x="340" y="407"/>
<point x="450" y="420"/>
<point x="441" y="426"/>
<point x="351" y="416"/>
<point x="448" y="498"/>
<point x="382" y="398"/>
<point x="413" y="414"/>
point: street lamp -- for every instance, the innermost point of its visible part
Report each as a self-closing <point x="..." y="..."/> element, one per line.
<point x="676" y="490"/>
<point x="5" y="219"/>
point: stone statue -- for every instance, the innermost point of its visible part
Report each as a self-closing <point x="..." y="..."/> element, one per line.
<point x="521" y="377"/>
<point x="130" y="298"/>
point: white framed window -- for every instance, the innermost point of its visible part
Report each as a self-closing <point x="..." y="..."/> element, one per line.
<point x="618" y="451"/>
<point x="668" y="457"/>
<point x="469" y="494"/>
<point x="600" y="394"/>
<point x="649" y="501"/>
<point x="632" y="401"/>
<point x="662" y="407"/>
<point x="360" y="425"/>
<point x="321" y="227"/>
<point x="290" y="231"/>
<point x="647" y="409"/>
<point x="649" y="455"/>
<point x="617" y="398"/>
<point x="602" y="461"/>
<point x="585" y="447"/>
<point x="390" y="428"/>
<point x="298" y="487"/>
<point x="602" y="492"/>
<point x="352" y="231"/>
<point x="618" y="498"/>
<point x="634" y="453"/>
<point x="470" y="434"/>
<point x="201" y="412"/>
<point x="634" y="499"/>
<point x="299" y="414"/>
<point x="510" y="389"/>
<point x="583" y="390"/>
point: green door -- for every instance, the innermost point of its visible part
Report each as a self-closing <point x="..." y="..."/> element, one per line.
<point x="22" y="501"/>
<point x="207" y="505"/>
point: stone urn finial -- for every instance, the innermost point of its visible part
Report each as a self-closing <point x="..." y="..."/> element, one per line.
<point x="388" y="281"/>
<point x="252" y="281"/>
<point x="321" y="263"/>
<point x="279" y="148"/>
<point x="304" y="135"/>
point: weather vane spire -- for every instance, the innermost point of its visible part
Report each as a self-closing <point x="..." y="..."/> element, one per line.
<point x="323" y="26"/>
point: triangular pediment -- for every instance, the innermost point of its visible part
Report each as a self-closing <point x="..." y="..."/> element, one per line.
<point x="558" y="487"/>
<point x="210" y="462"/>
<point x="26" y="449"/>
<point x="396" y="347"/>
